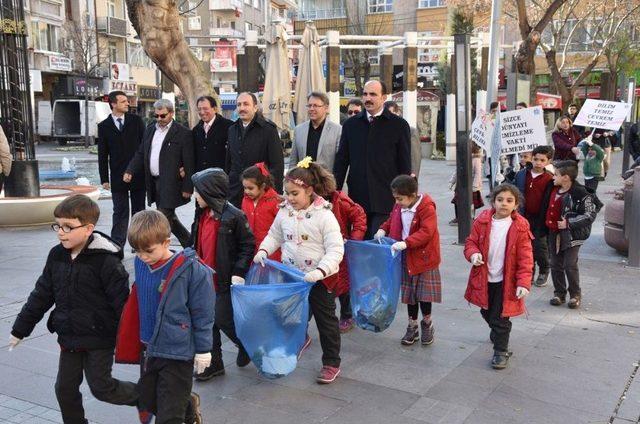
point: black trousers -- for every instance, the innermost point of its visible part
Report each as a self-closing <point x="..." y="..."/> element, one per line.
<point x="181" y="233"/>
<point x="345" y="306"/>
<point x="120" y="221"/>
<point x="96" y="365"/>
<point x="374" y="221"/>
<point x="224" y="322"/>
<point x="500" y="326"/>
<point x="591" y="183"/>
<point x="564" y="267"/>
<point x="541" y="254"/>
<point x="323" y="308"/>
<point x="165" y="389"/>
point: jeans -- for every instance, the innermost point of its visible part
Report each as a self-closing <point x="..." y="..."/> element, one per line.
<point x="500" y="326"/>
<point x="96" y="366"/>
<point x="120" y="220"/>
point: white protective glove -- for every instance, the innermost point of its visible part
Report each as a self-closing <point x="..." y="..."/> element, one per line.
<point x="237" y="281"/>
<point x="260" y="257"/>
<point x="499" y="178"/>
<point x="476" y="259"/>
<point x="521" y="292"/>
<point x="313" y="276"/>
<point x="201" y="361"/>
<point x="398" y="246"/>
<point x="13" y="342"/>
<point x="379" y="234"/>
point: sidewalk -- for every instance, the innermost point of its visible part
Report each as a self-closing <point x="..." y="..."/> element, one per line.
<point x="569" y="366"/>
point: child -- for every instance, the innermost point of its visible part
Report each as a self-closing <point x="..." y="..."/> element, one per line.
<point x="175" y="297"/>
<point x="310" y="237"/>
<point x="85" y="280"/>
<point x="476" y="169"/>
<point x="569" y="210"/>
<point x="534" y="184"/>
<point x="593" y="163"/>
<point x="499" y="248"/>
<point x="223" y="240"/>
<point x="353" y="226"/>
<point x="260" y="202"/>
<point x="413" y="222"/>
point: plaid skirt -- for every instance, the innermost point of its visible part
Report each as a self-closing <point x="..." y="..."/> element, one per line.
<point x="425" y="287"/>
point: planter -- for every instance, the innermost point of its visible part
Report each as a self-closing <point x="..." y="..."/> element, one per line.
<point x="427" y="150"/>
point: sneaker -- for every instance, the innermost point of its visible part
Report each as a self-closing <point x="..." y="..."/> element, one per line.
<point x="193" y="414"/>
<point x="411" y="336"/>
<point x="145" y="417"/>
<point x="426" y="337"/>
<point x="557" y="300"/>
<point x="346" y="325"/>
<point x="500" y="360"/>
<point x="327" y="374"/>
<point x="453" y="222"/>
<point x="214" y="370"/>
<point x="305" y="346"/>
<point x="541" y="281"/>
<point x="574" y="302"/>
<point x="242" y="360"/>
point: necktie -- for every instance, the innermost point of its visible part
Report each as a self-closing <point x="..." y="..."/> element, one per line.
<point x="370" y="119"/>
<point x="207" y="125"/>
<point x="119" y="123"/>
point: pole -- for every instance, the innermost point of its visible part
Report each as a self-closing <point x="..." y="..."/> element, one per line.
<point x="386" y="66"/>
<point x="633" y="234"/>
<point x="333" y="75"/>
<point x="410" y="79"/>
<point x="463" y="150"/>
<point x="631" y="98"/>
<point x="252" y="61"/>
<point x="494" y="50"/>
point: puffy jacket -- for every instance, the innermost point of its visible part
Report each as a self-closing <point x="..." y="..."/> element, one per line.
<point x="88" y="293"/>
<point x="423" y="242"/>
<point x="592" y="162"/>
<point x="563" y="142"/>
<point x="184" y="318"/>
<point x="262" y="215"/>
<point x="309" y="238"/>
<point x="353" y="225"/>
<point x="235" y="244"/>
<point x="518" y="263"/>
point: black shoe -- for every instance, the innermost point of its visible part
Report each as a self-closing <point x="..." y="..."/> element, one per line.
<point x="193" y="414"/>
<point x="557" y="300"/>
<point x="242" y="360"/>
<point x="500" y="360"/>
<point x="541" y="281"/>
<point x="574" y="302"/>
<point x="214" y="370"/>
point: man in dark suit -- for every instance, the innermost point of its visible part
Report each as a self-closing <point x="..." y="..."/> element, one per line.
<point x="119" y="137"/>
<point x="252" y="139"/>
<point x="210" y="135"/>
<point x="374" y="148"/>
<point x="166" y="155"/>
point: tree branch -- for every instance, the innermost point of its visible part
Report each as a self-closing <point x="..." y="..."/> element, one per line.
<point x="548" y="14"/>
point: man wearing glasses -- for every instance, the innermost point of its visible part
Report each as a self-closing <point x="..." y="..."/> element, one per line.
<point x="167" y="156"/>
<point x="318" y="137"/>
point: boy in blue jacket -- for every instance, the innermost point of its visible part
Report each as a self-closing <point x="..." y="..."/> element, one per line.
<point x="176" y="309"/>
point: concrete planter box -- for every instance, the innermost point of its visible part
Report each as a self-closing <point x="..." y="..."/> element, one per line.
<point x="427" y="150"/>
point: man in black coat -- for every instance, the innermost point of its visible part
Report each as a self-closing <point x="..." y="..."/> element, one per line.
<point x="166" y="155"/>
<point x="119" y="137"/>
<point x="210" y="135"/>
<point x="375" y="148"/>
<point x="252" y="139"/>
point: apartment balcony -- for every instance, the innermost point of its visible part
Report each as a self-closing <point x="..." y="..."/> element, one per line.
<point x="289" y="4"/>
<point x="225" y="5"/>
<point x="112" y="26"/>
<point x="303" y="15"/>
<point x="225" y="32"/>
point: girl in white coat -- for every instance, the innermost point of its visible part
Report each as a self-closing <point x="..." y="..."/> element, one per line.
<point x="309" y="236"/>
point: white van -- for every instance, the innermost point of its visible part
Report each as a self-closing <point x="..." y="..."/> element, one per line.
<point x="65" y="121"/>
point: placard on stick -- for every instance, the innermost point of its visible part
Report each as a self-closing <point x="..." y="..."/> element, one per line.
<point x="482" y="131"/>
<point x="602" y="114"/>
<point x="522" y="130"/>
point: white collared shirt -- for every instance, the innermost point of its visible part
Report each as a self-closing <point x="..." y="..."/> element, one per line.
<point x="156" y="146"/>
<point x="369" y="116"/>
<point x="115" y="120"/>
<point x="407" y="215"/>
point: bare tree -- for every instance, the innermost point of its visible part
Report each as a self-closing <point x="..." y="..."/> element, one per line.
<point x="81" y="42"/>
<point x="622" y="54"/>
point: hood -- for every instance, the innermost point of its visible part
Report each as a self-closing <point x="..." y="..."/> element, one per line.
<point x="212" y="185"/>
<point x="101" y="243"/>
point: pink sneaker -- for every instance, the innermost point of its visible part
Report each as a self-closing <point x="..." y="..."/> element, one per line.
<point x="346" y="325"/>
<point x="305" y="346"/>
<point x="327" y="374"/>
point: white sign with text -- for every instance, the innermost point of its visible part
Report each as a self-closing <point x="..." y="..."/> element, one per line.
<point x="602" y="114"/>
<point x="482" y="131"/>
<point x="522" y="130"/>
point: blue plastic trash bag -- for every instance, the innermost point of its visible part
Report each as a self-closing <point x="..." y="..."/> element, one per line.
<point x="375" y="274"/>
<point x="271" y="312"/>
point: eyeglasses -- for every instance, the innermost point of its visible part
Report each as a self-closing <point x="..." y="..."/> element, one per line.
<point x="315" y="106"/>
<point x="65" y="228"/>
<point x="353" y="112"/>
<point x="160" y="115"/>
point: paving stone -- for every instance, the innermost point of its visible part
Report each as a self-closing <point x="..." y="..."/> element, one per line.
<point x="630" y="407"/>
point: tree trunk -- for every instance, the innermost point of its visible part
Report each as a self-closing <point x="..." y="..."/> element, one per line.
<point x="563" y="90"/>
<point x="157" y="25"/>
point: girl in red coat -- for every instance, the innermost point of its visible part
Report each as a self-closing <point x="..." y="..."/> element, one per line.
<point x="499" y="248"/>
<point x="260" y="202"/>
<point x="413" y="222"/>
<point x="353" y="226"/>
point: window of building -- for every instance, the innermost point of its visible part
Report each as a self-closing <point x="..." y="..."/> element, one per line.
<point x="194" y="23"/>
<point x="113" y="52"/>
<point x="233" y="24"/>
<point x="138" y="57"/>
<point x="45" y="37"/>
<point x="431" y="3"/>
<point x="256" y="4"/>
<point x="248" y="26"/>
<point x="111" y="9"/>
<point x="426" y="55"/>
<point x="379" y="6"/>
